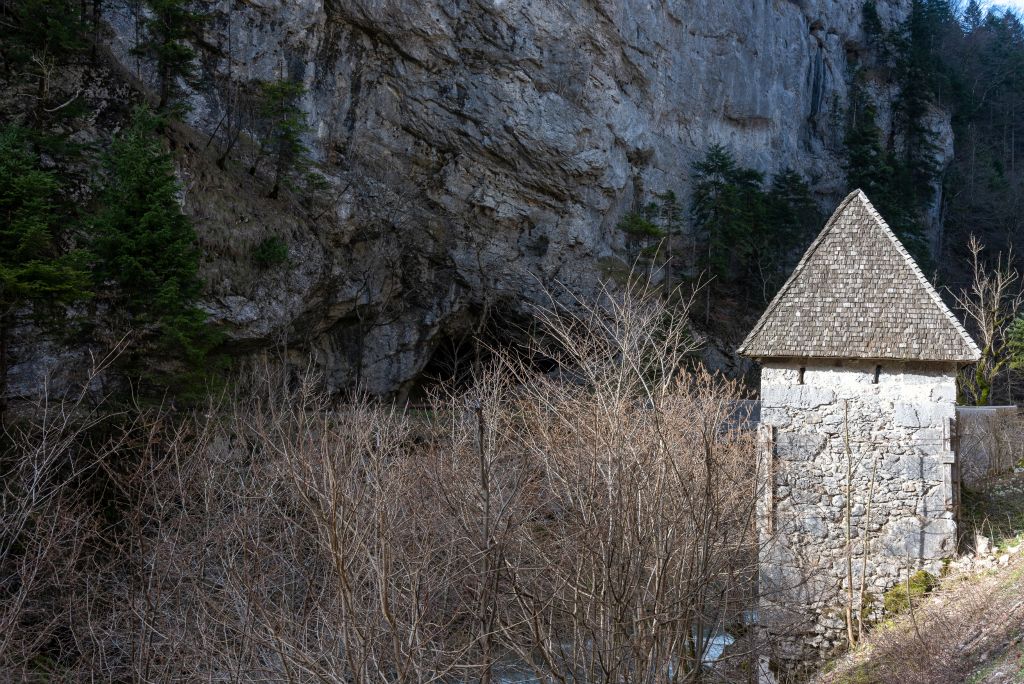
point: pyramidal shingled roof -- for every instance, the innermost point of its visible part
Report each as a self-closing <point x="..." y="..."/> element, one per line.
<point x="857" y="294"/>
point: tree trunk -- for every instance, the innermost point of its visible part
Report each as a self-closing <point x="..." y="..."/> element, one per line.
<point x="5" y="326"/>
<point x="485" y="606"/>
<point x="96" y="16"/>
<point x="165" y="86"/>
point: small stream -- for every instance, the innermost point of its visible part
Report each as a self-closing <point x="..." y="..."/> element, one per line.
<point x="515" y="671"/>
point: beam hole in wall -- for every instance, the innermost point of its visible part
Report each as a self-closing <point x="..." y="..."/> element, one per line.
<point x="878" y="372"/>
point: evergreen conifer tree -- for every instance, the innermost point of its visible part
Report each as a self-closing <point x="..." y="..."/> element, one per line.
<point x="792" y="219"/>
<point x="728" y="205"/>
<point x="168" y="30"/>
<point x="36" y="271"/>
<point x="53" y="27"/>
<point x="39" y="35"/>
<point x="670" y="219"/>
<point x="973" y="17"/>
<point x="284" y="125"/>
<point x="643" y="235"/>
<point x="147" y="258"/>
<point x="870" y="168"/>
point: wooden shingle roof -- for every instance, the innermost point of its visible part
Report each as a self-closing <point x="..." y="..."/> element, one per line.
<point x="858" y="294"/>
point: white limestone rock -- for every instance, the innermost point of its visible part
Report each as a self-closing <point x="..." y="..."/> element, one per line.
<point x="478" y="152"/>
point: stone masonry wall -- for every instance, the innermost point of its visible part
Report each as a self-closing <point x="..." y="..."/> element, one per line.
<point x="837" y="443"/>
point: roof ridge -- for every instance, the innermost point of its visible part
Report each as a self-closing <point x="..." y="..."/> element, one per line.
<point x="857" y="299"/>
<point x="779" y="296"/>
<point x="929" y="288"/>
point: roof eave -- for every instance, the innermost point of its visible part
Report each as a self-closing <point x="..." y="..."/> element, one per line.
<point x="765" y="356"/>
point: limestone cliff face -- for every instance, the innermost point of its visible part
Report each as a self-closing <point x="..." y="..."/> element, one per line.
<point x="481" y="150"/>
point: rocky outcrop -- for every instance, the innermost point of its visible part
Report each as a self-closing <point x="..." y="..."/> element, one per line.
<point x="481" y="151"/>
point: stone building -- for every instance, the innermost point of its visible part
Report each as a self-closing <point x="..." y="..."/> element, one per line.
<point x="858" y="399"/>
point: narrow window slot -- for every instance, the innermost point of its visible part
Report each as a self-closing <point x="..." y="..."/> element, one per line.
<point x="800" y="378"/>
<point x="878" y="372"/>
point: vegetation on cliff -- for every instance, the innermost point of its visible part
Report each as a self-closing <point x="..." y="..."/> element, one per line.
<point x="584" y="507"/>
<point x="735" y="226"/>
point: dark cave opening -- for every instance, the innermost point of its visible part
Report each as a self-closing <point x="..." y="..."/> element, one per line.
<point x="465" y="352"/>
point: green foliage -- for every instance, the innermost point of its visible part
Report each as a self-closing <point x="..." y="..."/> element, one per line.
<point x="986" y="179"/>
<point x="899" y="193"/>
<point x="640" y="224"/>
<point x="39" y="37"/>
<point x="651" y="232"/>
<point x="36" y="28"/>
<point x="964" y="60"/>
<point x="728" y="205"/>
<point x="36" y="269"/>
<point x="669" y="213"/>
<point x="643" y="233"/>
<point x="922" y="80"/>
<point x="1015" y="344"/>
<point x="167" y="33"/>
<point x="270" y="252"/>
<point x="867" y="164"/>
<point x="871" y="22"/>
<point x="284" y="125"/>
<point x="897" y="600"/>
<point x="973" y="17"/>
<point x="793" y="220"/>
<point x="754" y="235"/>
<point x="147" y="259"/>
<point x="33" y="266"/>
<point x="898" y="170"/>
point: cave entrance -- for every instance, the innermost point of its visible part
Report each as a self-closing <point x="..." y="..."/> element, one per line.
<point x="461" y="354"/>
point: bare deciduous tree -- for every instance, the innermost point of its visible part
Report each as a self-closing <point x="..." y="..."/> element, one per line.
<point x="594" y="524"/>
<point x="46" y="518"/>
<point x="990" y="303"/>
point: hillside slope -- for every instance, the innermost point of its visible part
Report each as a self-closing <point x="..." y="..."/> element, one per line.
<point x="970" y="629"/>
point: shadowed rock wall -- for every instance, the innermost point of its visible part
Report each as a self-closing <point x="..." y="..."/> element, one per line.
<point x="478" y="152"/>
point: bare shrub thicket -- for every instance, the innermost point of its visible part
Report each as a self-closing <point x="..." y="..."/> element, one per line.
<point x="594" y="524"/>
<point x="991" y="443"/>
<point x="48" y="525"/>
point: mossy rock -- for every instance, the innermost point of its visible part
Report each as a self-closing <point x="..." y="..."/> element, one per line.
<point x="897" y="600"/>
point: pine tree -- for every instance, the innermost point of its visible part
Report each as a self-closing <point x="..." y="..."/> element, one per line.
<point x="793" y="219"/>
<point x="36" y="272"/>
<point x="973" y="17"/>
<point x="870" y="168"/>
<point x="168" y="30"/>
<point x="284" y="125"/>
<point x="670" y="219"/>
<point x="728" y="205"/>
<point x="867" y="164"/>
<point x="643" y="235"/>
<point x="872" y="23"/>
<point x="40" y="35"/>
<point x="922" y="77"/>
<point x="55" y="28"/>
<point x="147" y="258"/>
